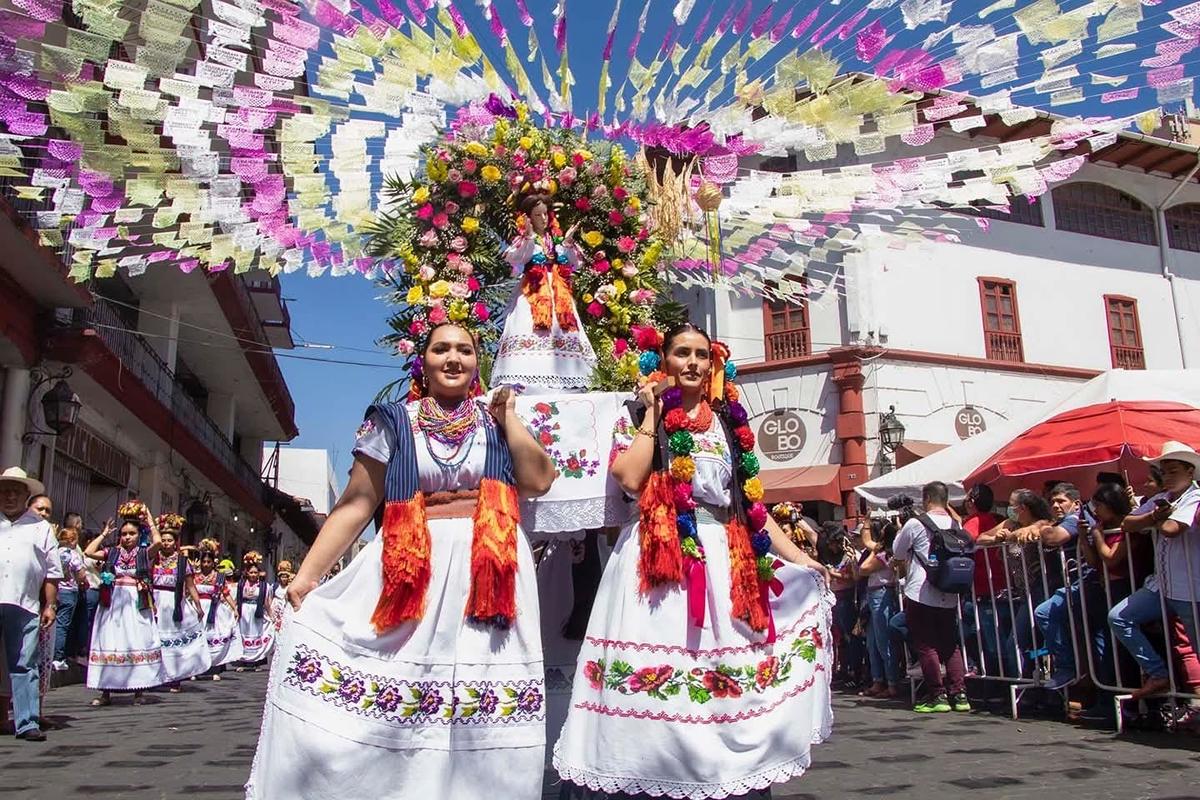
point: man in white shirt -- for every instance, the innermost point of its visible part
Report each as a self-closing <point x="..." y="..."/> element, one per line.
<point x="931" y="614"/>
<point x="29" y="575"/>
<point x="1173" y="517"/>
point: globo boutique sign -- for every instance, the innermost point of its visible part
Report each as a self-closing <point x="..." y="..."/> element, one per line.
<point x="781" y="435"/>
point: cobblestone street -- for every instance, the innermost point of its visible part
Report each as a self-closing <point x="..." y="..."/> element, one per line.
<point x="176" y="746"/>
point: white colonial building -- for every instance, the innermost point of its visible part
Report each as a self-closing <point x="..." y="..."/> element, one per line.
<point x="1102" y="272"/>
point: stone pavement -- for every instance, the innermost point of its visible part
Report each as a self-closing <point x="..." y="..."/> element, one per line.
<point x="199" y="744"/>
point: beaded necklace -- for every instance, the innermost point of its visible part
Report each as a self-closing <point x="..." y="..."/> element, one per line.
<point x="454" y="429"/>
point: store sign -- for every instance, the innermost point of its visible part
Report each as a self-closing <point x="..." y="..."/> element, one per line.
<point x="968" y="422"/>
<point x="781" y="436"/>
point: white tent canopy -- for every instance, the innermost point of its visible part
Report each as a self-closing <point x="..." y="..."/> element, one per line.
<point x="958" y="461"/>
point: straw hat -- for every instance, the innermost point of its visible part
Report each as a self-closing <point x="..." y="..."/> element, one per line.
<point x="18" y="475"/>
<point x="1177" y="451"/>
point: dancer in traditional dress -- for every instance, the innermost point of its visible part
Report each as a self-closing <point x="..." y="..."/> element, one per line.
<point x="253" y="602"/>
<point x="544" y="347"/>
<point x="219" y="612"/>
<point x="704" y="672"/>
<point x="284" y="573"/>
<point x="417" y="671"/>
<point x="126" y="652"/>
<point x="178" y="611"/>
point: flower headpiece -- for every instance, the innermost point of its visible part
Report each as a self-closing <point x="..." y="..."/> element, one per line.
<point x="252" y="559"/>
<point x="670" y="542"/>
<point x="131" y="510"/>
<point x="210" y="546"/>
<point x="785" y="512"/>
<point x="284" y="568"/>
<point x="169" y="523"/>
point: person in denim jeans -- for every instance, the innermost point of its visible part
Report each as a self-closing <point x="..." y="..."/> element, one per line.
<point x="1176" y="534"/>
<point x="883" y="604"/>
<point x="73" y="578"/>
<point x="1052" y="615"/>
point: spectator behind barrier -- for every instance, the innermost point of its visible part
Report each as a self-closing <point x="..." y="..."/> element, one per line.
<point x="1052" y="615"/>
<point x="882" y="603"/>
<point x="1172" y="521"/>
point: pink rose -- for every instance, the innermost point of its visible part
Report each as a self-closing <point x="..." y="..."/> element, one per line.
<point x="601" y="267"/>
<point x="474" y="284"/>
<point x="426" y="273"/>
<point x="460" y="291"/>
<point x="451" y="208"/>
<point x="600" y="192"/>
<point x="567" y="176"/>
<point x="454" y="176"/>
<point x="595" y="168"/>
<point x="458" y="244"/>
<point x="501" y="150"/>
<point x="643" y="235"/>
<point x="481" y="312"/>
<point x="440" y="220"/>
<point x="626" y="244"/>
<point x="629" y="270"/>
<point x="620" y="347"/>
<point x="630" y="212"/>
<point x="619" y="193"/>
<point x="468" y="189"/>
<point x="469" y="166"/>
<point x="425" y="212"/>
<point x="615" y="218"/>
<point x="452" y="260"/>
<point x="578" y="160"/>
<point x="437" y="315"/>
<point x="465" y="267"/>
<point x="417" y="327"/>
<point x="428" y="238"/>
<point x="518" y="160"/>
<point x="583" y="204"/>
<point x="405" y="347"/>
<point x="595" y="309"/>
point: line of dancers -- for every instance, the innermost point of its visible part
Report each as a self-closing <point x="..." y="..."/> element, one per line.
<point x="168" y="614"/>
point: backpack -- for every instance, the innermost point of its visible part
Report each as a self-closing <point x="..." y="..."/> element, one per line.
<point x="950" y="566"/>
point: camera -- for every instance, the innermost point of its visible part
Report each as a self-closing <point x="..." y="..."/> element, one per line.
<point x="902" y="504"/>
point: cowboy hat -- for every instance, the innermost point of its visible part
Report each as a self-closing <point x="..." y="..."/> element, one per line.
<point x="1177" y="451"/>
<point x="18" y="475"/>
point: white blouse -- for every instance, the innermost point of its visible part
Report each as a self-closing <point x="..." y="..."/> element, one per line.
<point x="713" y="457"/>
<point x="454" y="469"/>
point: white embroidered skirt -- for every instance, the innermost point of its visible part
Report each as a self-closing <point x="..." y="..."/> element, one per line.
<point x="223" y="636"/>
<point x="126" y="651"/>
<point x="438" y="708"/>
<point x="184" y="646"/>
<point x="664" y="708"/>
<point x="542" y="361"/>
<point x="258" y="635"/>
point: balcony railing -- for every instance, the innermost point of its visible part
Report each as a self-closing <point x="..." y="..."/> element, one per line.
<point x="258" y="333"/>
<point x="784" y="345"/>
<point x="139" y="358"/>
<point x="1128" y="358"/>
<point x="1004" y="346"/>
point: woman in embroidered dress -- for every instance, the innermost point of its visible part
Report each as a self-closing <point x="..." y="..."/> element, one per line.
<point x="417" y="671"/>
<point x="126" y="652"/>
<point x="253" y="602"/>
<point x="178" y="612"/>
<point x="543" y="347"/>
<point x="219" y="613"/>
<point x="704" y="670"/>
<point x="284" y="574"/>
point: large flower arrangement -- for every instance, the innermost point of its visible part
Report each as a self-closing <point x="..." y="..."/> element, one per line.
<point x="447" y="227"/>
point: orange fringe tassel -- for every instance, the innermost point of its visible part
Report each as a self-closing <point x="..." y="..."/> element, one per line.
<point x="406" y="568"/>
<point x="493" y="596"/>
<point x="544" y="304"/>
<point x="744" y="591"/>
<point x="661" y="559"/>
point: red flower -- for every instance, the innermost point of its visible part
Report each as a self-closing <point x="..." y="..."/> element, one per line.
<point x="615" y="218"/>
<point x="766" y="673"/>
<point x="542" y="408"/>
<point x="816" y="637"/>
<point x="651" y="678"/>
<point x="425" y="212"/>
<point x="677" y="420"/>
<point x="620" y="347"/>
<point x="573" y="463"/>
<point x="643" y="235"/>
<point x="578" y="160"/>
<point x="602" y="266"/>
<point x="583" y="204"/>
<point x="647" y="337"/>
<point x="745" y="438"/>
<point x="594" y="674"/>
<point x="546" y="438"/>
<point x="619" y="192"/>
<point x="468" y="189"/>
<point x="595" y="309"/>
<point x="721" y="685"/>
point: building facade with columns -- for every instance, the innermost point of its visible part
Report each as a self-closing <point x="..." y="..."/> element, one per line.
<point x="1100" y="272"/>
<point x="176" y="376"/>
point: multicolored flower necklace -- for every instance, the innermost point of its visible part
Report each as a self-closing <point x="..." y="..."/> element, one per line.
<point x="681" y="443"/>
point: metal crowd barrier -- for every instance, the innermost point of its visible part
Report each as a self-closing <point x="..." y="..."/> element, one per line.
<point x="1001" y="641"/>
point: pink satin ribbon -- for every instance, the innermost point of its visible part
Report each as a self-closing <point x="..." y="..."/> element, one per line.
<point x="765" y="590"/>
<point x="697" y="590"/>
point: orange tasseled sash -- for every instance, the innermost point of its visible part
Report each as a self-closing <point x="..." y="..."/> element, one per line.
<point x="548" y="290"/>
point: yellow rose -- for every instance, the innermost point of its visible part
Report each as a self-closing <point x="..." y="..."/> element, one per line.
<point x="458" y="311"/>
<point x="490" y="173"/>
<point x="411" y="260"/>
<point x="753" y="489"/>
<point x="619" y="285"/>
<point x="421" y="195"/>
<point x="635" y="203"/>
<point x="586" y="154"/>
<point x="525" y="142"/>
<point x="587" y="298"/>
<point x="470" y="224"/>
<point x="593" y="238"/>
<point x="439" y="289"/>
<point x="552" y="186"/>
<point x="522" y="112"/>
<point x="559" y="159"/>
<point x="415" y="294"/>
<point x="477" y="149"/>
<point x="617" y="263"/>
<point x="436" y="170"/>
